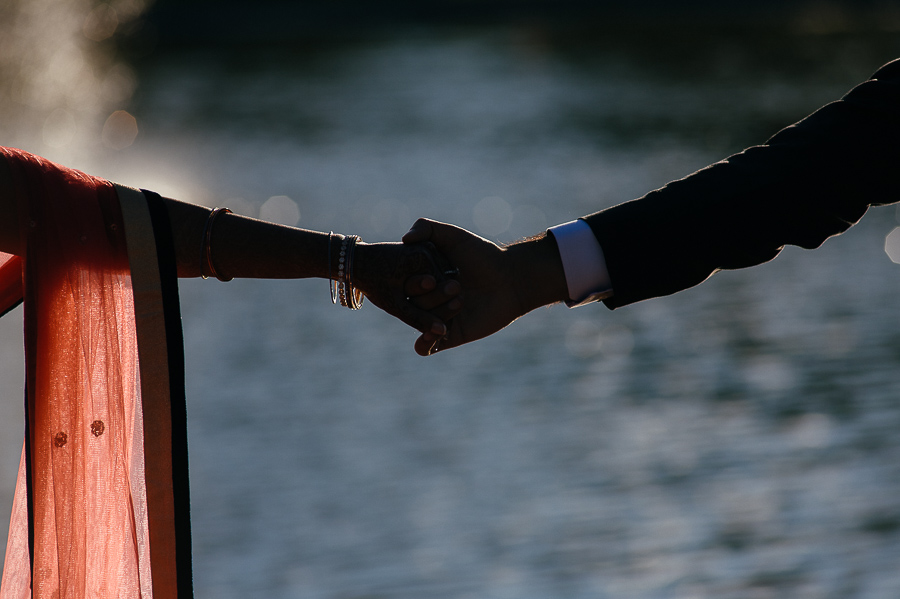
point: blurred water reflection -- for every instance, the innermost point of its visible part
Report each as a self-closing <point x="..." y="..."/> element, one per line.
<point x="737" y="440"/>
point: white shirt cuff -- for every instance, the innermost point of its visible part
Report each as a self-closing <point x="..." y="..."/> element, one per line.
<point x="583" y="263"/>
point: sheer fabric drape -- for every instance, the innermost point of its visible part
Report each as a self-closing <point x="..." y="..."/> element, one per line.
<point x="79" y="525"/>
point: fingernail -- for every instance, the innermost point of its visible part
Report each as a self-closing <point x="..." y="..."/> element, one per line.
<point x="428" y="283"/>
<point x="439" y="328"/>
<point x="452" y="287"/>
<point x="454" y="304"/>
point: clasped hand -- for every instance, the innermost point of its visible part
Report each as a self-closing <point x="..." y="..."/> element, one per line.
<point x="455" y="287"/>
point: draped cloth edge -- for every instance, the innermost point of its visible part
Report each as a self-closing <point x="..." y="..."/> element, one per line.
<point x="157" y="327"/>
<point x="160" y="346"/>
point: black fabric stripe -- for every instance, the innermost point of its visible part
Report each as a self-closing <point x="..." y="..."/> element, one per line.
<point x="31" y="365"/>
<point x="168" y="275"/>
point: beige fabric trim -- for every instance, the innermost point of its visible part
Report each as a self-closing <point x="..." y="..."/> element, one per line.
<point x="154" y="384"/>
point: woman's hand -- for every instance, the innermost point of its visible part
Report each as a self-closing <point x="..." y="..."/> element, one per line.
<point x="390" y="274"/>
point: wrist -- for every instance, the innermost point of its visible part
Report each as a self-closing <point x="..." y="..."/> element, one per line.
<point x="367" y="268"/>
<point x="360" y="263"/>
<point x="537" y="273"/>
<point x="346" y="288"/>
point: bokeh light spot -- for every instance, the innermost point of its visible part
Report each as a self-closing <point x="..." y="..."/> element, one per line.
<point x="120" y="130"/>
<point x="770" y="373"/>
<point x="101" y="23"/>
<point x="59" y="128"/>
<point x="812" y="431"/>
<point x="892" y="245"/>
<point x="585" y="338"/>
<point x="492" y="216"/>
<point x="118" y="84"/>
<point x="66" y="66"/>
<point x="280" y="209"/>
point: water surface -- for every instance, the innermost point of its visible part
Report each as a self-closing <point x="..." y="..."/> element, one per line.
<point x="735" y="440"/>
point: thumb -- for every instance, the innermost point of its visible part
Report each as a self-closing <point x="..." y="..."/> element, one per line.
<point x="420" y="232"/>
<point x="444" y="236"/>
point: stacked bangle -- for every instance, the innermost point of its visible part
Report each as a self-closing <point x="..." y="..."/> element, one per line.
<point x="206" y="261"/>
<point x="332" y="284"/>
<point x="349" y="296"/>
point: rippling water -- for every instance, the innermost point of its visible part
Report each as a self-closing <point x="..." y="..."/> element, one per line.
<point x="735" y="440"/>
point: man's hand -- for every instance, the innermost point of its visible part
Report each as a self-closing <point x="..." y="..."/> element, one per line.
<point x="498" y="285"/>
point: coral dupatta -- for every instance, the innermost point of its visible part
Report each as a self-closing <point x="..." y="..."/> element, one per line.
<point x="101" y="504"/>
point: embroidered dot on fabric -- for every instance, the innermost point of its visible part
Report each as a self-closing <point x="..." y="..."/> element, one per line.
<point x="60" y="439"/>
<point x="97" y="428"/>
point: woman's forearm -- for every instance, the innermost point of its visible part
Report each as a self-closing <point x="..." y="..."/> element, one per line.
<point x="244" y="247"/>
<point x="241" y="246"/>
<point x="234" y="246"/>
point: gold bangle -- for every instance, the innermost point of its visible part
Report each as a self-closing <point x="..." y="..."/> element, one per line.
<point x="356" y="296"/>
<point x="206" y="249"/>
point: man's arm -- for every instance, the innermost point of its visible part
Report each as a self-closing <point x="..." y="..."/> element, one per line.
<point x="812" y="180"/>
<point x="809" y="182"/>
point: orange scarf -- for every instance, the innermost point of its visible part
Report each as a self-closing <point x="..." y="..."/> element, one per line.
<point x="101" y="504"/>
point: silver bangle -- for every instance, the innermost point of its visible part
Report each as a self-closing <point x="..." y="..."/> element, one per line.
<point x="332" y="284"/>
<point x="349" y="296"/>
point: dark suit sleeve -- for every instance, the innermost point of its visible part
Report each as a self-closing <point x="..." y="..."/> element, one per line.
<point x="810" y="181"/>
